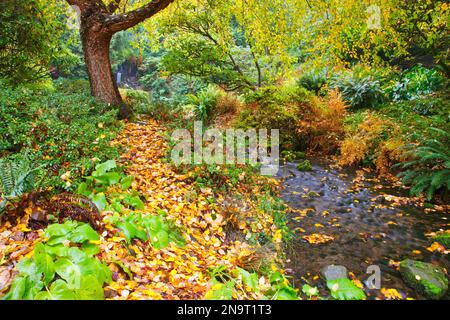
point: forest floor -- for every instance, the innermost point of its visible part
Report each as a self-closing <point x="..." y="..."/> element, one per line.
<point x="176" y="272"/>
<point x="349" y="218"/>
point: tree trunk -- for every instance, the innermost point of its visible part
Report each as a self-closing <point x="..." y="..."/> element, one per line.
<point x="103" y="83"/>
<point x="99" y="22"/>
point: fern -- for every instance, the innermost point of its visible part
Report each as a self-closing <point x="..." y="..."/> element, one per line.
<point x="429" y="170"/>
<point x="16" y="179"/>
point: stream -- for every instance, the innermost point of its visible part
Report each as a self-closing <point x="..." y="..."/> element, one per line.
<point x="370" y="223"/>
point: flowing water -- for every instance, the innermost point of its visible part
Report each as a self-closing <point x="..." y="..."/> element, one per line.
<point x="371" y="224"/>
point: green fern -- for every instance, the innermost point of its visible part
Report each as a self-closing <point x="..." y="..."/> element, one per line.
<point x="429" y="170"/>
<point x="16" y="179"/>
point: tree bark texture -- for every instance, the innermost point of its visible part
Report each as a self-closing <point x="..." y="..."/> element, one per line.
<point x="98" y="24"/>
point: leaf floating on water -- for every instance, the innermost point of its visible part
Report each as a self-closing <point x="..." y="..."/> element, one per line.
<point x="317" y="238"/>
<point x="391" y="294"/>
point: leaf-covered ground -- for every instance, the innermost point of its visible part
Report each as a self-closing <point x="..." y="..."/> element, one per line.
<point x="176" y="272"/>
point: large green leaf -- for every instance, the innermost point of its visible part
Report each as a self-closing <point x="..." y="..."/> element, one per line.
<point x="220" y="291"/>
<point x="345" y="289"/>
<point x="159" y="239"/>
<point x="286" y="293"/>
<point x="104" y="167"/>
<point x="250" y="280"/>
<point x="58" y="230"/>
<point x="108" y="179"/>
<point x="126" y="182"/>
<point x="91" y="289"/>
<point x="84" y="232"/>
<point x="100" y="201"/>
<point x="17" y="290"/>
<point x="60" y="290"/>
<point x="135" y="202"/>
<point x="44" y="263"/>
<point x="69" y="271"/>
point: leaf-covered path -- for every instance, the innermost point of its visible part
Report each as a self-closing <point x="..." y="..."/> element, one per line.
<point x="174" y="272"/>
<point x="177" y="271"/>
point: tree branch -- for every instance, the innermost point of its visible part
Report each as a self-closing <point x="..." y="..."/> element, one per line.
<point x="84" y="4"/>
<point x="113" y="6"/>
<point x="120" y="22"/>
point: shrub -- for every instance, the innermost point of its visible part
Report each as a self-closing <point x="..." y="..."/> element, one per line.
<point x="416" y="117"/>
<point x="417" y="82"/>
<point x="276" y="108"/>
<point x="359" y="89"/>
<point x="139" y="100"/>
<point x="322" y="125"/>
<point x="429" y="170"/>
<point x="227" y="103"/>
<point x="63" y="131"/>
<point x="313" y="80"/>
<point x="204" y="103"/>
<point x="374" y="141"/>
<point x="304" y="166"/>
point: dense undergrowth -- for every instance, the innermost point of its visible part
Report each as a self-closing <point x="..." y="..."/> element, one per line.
<point x="59" y="128"/>
<point x="394" y="123"/>
<point x="360" y="116"/>
<point x="68" y="153"/>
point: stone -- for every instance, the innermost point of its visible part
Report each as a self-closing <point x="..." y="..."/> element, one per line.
<point x="426" y="278"/>
<point x="333" y="272"/>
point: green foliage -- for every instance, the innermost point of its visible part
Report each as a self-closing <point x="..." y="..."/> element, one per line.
<point x="224" y="177"/>
<point x="304" y="166"/>
<point x="205" y="60"/>
<point x="443" y="238"/>
<point x="30" y="39"/>
<point x="165" y="88"/>
<point x="416" y="82"/>
<point x="139" y="100"/>
<point x="277" y="209"/>
<point x="122" y="49"/>
<point x="359" y="89"/>
<point x="276" y="108"/>
<point x="156" y="229"/>
<point x="290" y="156"/>
<point x="416" y="117"/>
<point x="16" y="179"/>
<point x="207" y="42"/>
<point x="46" y="126"/>
<point x="310" y="291"/>
<point x="313" y="80"/>
<point x="423" y="29"/>
<point x="238" y="282"/>
<point x="204" y="103"/>
<point x="429" y="171"/>
<point x="103" y="177"/>
<point x="345" y="289"/>
<point x="63" y="267"/>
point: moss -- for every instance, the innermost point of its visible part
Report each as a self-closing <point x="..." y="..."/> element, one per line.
<point x="443" y="238"/>
<point x="304" y="166"/>
<point x="290" y="156"/>
<point x="426" y="278"/>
